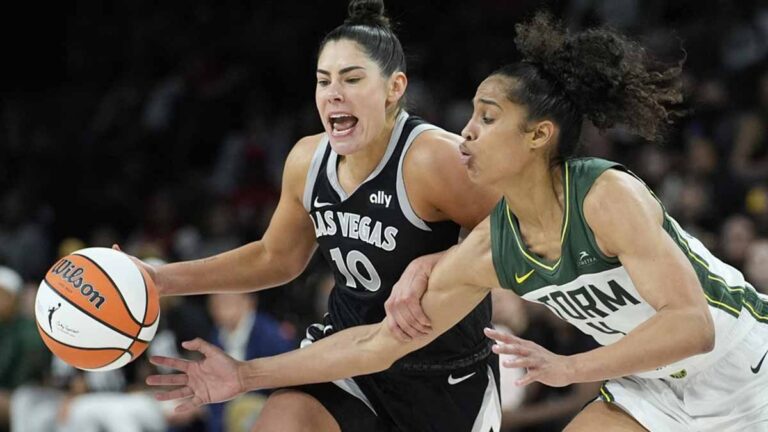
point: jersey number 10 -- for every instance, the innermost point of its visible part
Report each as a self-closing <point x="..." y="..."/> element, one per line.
<point x="349" y="268"/>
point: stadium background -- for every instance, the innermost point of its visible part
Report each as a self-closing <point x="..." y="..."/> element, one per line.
<point x="163" y="127"/>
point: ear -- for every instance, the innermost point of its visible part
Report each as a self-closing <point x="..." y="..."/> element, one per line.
<point x="398" y="82"/>
<point x="543" y="133"/>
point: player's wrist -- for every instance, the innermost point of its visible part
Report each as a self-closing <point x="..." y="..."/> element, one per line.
<point x="574" y="369"/>
<point x="242" y="374"/>
<point x="247" y="375"/>
<point x="162" y="280"/>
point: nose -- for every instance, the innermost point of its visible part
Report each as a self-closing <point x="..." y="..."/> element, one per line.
<point x="335" y="94"/>
<point x="468" y="133"/>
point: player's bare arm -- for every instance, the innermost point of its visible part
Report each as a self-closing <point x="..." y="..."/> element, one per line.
<point x="280" y="256"/>
<point x="459" y="282"/>
<point x="617" y="208"/>
<point x="438" y="188"/>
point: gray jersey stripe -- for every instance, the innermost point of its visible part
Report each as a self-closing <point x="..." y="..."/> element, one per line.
<point x="402" y="194"/>
<point x="314" y="168"/>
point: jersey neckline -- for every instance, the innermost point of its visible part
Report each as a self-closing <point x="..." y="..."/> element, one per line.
<point x="333" y="160"/>
<point x="544" y="264"/>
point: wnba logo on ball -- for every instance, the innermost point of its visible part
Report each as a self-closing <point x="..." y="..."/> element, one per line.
<point x="72" y="274"/>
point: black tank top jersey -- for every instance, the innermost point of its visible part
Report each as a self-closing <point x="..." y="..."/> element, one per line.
<point x="370" y="236"/>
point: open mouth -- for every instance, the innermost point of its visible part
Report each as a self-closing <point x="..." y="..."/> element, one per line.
<point x="342" y="124"/>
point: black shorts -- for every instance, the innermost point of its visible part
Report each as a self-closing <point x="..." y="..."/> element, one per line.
<point x="462" y="400"/>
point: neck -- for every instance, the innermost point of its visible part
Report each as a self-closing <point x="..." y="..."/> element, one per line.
<point x="536" y="196"/>
<point x="360" y="164"/>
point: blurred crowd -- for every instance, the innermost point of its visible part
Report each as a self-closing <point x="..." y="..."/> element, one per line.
<point x="168" y="126"/>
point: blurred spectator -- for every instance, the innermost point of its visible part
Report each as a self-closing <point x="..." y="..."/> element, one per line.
<point x="22" y="354"/>
<point x="509" y="315"/>
<point x="736" y="235"/>
<point x="78" y="401"/>
<point x="219" y="234"/>
<point x="756" y="266"/>
<point x="156" y="235"/>
<point x="24" y="243"/>
<point x="756" y="203"/>
<point x="749" y="159"/>
<point x="544" y="408"/>
<point x="243" y="333"/>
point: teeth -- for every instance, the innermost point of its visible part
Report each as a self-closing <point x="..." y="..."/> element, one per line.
<point x="337" y="117"/>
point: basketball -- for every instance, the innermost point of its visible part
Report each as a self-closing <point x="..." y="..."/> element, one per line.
<point x="96" y="309"/>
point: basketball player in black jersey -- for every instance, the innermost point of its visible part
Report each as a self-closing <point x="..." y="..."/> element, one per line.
<point x="376" y="190"/>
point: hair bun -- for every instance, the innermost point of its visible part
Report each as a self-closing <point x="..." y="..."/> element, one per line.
<point x="367" y="12"/>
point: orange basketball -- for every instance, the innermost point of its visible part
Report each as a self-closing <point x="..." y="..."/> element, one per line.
<point x="96" y="309"/>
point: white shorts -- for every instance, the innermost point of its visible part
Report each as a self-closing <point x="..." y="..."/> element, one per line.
<point x="730" y="395"/>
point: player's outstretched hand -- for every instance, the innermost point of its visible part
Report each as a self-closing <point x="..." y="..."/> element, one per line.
<point x="407" y="319"/>
<point x="215" y="378"/>
<point x="541" y="364"/>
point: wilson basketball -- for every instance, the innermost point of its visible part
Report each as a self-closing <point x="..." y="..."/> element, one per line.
<point x="96" y="309"/>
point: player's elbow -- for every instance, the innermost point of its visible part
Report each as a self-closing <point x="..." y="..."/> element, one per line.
<point x="705" y="331"/>
<point x="294" y="267"/>
<point x="286" y="267"/>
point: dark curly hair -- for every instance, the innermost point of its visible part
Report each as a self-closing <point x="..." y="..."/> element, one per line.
<point x="596" y="74"/>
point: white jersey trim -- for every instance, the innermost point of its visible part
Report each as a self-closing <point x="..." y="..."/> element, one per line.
<point x="489" y="416"/>
<point x="350" y="386"/>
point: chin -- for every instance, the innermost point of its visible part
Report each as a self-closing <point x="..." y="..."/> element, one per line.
<point x="477" y="177"/>
<point x="472" y="173"/>
<point x="345" y="147"/>
<point x="474" y="177"/>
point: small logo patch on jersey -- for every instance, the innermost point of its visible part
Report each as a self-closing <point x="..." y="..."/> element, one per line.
<point x="319" y="204"/>
<point x="585" y="258"/>
<point x="380" y="198"/>
<point x="680" y="375"/>
<point x="454" y="381"/>
<point x="756" y="369"/>
<point x="521" y="279"/>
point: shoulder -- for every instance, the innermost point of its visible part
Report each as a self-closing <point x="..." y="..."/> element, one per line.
<point x="611" y="185"/>
<point x="620" y="206"/>
<point x="298" y="162"/>
<point x="301" y="154"/>
<point x="432" y="149"/>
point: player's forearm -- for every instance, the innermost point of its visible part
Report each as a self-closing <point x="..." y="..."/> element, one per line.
<point x="669" y="336"/>
<point x="428" y="262"/>
<point x="248" y="268"/>
<point x="352" y="352"/>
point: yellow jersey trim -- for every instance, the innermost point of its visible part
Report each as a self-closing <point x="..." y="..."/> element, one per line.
<point x="562" y="235"/>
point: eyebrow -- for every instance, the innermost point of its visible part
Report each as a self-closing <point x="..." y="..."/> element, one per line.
<point x="341" y="72"/>
<point x="490" y="102"/>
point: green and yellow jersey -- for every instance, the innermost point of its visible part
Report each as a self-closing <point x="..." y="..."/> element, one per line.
<point x="595" y="293"/>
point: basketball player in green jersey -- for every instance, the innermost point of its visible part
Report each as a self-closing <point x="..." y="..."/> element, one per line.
<point x="684" y="335"/>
